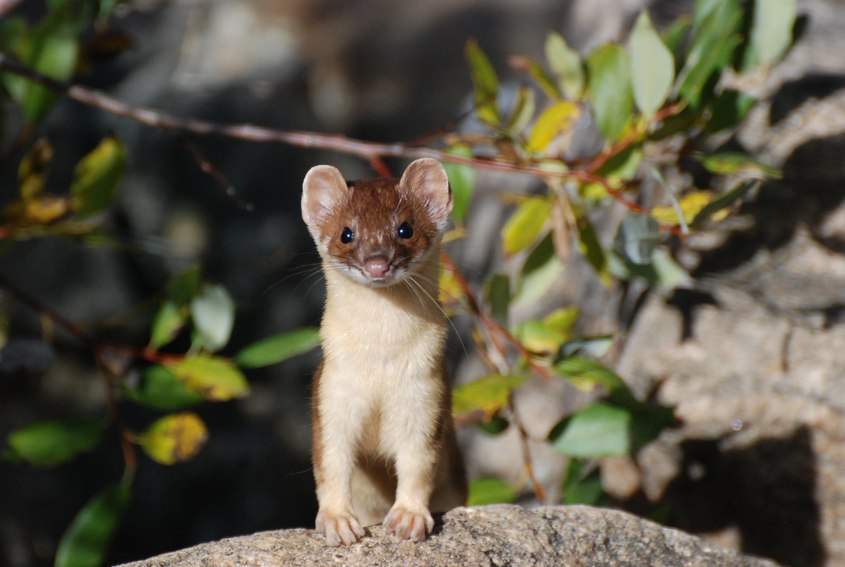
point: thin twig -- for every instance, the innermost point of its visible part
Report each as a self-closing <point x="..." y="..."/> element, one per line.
<point x="209" y="169"/>
<point x="539" y="491"/>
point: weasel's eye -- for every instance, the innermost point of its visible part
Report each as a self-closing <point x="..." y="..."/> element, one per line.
<point x="405" y="230"/>
<point x="346" y="235"/>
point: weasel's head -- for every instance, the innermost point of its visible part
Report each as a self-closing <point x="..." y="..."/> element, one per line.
<point x="377" y="231"/>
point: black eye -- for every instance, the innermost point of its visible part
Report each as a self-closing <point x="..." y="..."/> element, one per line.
<point x="405" y="230"/>
<point x="346" y="235"/>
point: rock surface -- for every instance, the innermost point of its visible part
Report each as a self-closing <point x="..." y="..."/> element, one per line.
<point x="566" y="536"/>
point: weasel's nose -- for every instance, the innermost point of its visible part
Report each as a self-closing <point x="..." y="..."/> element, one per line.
<point x="377" y="267"/>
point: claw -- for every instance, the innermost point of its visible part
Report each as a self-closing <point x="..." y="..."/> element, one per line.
<point x="340" y="528"/>
<point x="406" y="524"/>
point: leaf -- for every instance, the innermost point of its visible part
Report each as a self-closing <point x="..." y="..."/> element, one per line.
<point x="213" y="314"/>
<point x="525" y="224"/>
<point x="462" y="181"/>
<point x="168" y="321"/>
<point x="771" y="30"/>
<point x="637" y="238"/>
<point x="610" y="89"/>
<point x="623" y="165"/>
<point x="451" y="292"/>
<point x="732" y="162"/>
<point x="96" y="177"/>
<point x="33" y="169"/>
<point x="586" y="374"/>
<point x="159" y="388"/>
<point x="184" y="286"/>
<point x="497" y="294"/>
<point x="50" y="48"/>
<point x="599" y="430"/>
<point x="723" y="201"/>
<point x="591" y="248"/>
<point x="690" y="205"/>
<point x="729" y="109"/>
<point x="485" y="84"/>
<point x="547" y="335"/>
<point x="523" y="110"/>
<point x="652" y="66"/>
<point x="488" y="394"/>
<point x="277" y="348"/>
<point x="215" y="378"/>
<point x="566" y="64"/>
<point x="52" y="443"/>
<point x="484" y="491"/>
<point x="715" y="27"/>
<point x="536" y="72"/>
<point x="174" y="438"/>
<point x="85" y="542"/>
<point x="554" y="121"/>
<point x="582" y="486"/>
<point x="541" y="269"/>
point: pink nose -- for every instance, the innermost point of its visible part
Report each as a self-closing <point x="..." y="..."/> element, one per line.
<point x="377" y="267"/>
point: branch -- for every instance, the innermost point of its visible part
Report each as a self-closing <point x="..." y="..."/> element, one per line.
<point x="371" y="151"/>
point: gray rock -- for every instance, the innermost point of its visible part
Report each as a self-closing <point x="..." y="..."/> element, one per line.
<point x="567" y="536"/>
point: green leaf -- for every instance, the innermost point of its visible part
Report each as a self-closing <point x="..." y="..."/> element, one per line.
<point x="488" y="394"/>
<point x="566" y="64"/>
<point x="732" y="162"/>
<point x="586" y="374"/>
<point x="213" y="314"/>
<point x="723" y="201"/>
<point x="540" y="270"/>
<point x="637" y="238"/>
<point x="462" y="181"/>
<point x="547" y="335"/>
<point x="715" y="28"/>
<point x="523" y="110"/>
<point x="97" y="176"/>
<point x="50" y="48"/>
<point x="484" y="491"/>
<point x="277" y="348"/>
<point x="86" y="541"/>
<point x="591" y="248"/>
<point x="729" y="110"/>
<point x="184" y="286"/>
<point x="535" y="71"/>
<point x="51" y="443"/>
<point x="485" y="83"/>
<point x="582" y="485"/>
<point x="159" y="388"/>
<point x="497" y="294"/>
<point x="215" y="378"/>
<point x="610" y="89"/>
<point x="652" y="66"/>
<point x="675" y="35"/>
<point x="599" y="430"/>
<point x="623" y="165"/>
<point x="174" y="438"/>
<point x="169" y="320"/>
<point x="771" y="30"/>
<point x="525" y="224"/>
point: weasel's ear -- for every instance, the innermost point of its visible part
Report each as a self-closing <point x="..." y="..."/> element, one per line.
<point x="426" y="178"/>
<point x="322" y="190"/>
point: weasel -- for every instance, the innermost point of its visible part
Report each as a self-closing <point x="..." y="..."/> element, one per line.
<point x="384" y="444"/>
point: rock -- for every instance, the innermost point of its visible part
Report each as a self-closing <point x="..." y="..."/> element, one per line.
<point x="567" y="536"/>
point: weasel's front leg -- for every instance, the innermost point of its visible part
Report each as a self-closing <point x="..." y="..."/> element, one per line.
<point x="334" y="458"/>
<point x="409" y="518"/>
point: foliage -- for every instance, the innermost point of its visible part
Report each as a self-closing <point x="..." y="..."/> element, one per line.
<point x="640" y="98"/>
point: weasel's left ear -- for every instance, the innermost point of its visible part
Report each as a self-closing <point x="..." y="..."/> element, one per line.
<point x="427" y="178"/>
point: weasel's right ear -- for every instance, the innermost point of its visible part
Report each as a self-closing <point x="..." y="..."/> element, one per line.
<point x="322" y="191"/>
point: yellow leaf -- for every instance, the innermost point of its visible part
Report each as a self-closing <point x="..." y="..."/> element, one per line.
<point x="555" y="120"/>
<point x="33" y="169"/>
<point x="45" y="209"/>
<point x="691" y="204"/>
<point x="451" y="291"/>
<point x="215" y="378"/>
<point x="525" y="224"/>
<point x="487" y="394"/>
<point x="174" y="438"/>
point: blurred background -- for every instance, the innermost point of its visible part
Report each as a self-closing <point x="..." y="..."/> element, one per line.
<point x="380" y="70"/>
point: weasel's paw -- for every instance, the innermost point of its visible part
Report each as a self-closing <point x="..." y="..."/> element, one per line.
<point x="407" y="524"/>
<point x="339" y="528"/>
